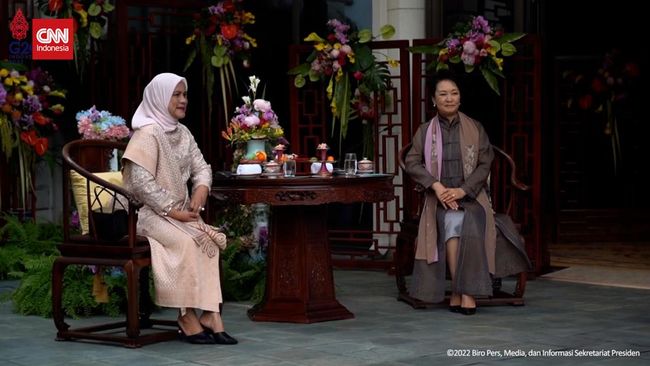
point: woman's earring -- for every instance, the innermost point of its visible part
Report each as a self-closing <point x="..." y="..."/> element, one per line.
<point x="434" y="105"/>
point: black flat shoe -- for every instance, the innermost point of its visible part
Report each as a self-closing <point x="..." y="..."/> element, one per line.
<point x="219" y="337"/>
<point x="467" y="311"/>
<point x="223" y="338"/>
<point x="454" y="308"/>
<point x="198" y="338"/>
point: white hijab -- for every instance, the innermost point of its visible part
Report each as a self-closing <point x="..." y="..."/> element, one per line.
<point x="154" y="107"/>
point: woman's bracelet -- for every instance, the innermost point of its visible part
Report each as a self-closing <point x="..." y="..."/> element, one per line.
<point x="167" y="210"/>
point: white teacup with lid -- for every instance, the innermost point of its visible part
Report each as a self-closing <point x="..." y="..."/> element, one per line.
<point x="365" y="166"/>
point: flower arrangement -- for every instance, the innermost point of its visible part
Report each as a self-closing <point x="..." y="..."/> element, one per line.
<point x="29" y="105"/>
<point x="90" y="19"/>
<point x="605" y="91"/>
<point x="101" y="125"/>
<point x="344" y="60"/>
<point x="476" y="45"/>
<point x="219" y="38"/>
<point x="254" y="119"/>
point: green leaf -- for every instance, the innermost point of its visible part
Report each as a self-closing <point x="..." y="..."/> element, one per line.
<point x="108" y="7"/>
<point x="312" y="56"/>
<point x="469" y="68"/>
<point x="220" y="50"/>
<point x="365" y="58"/>
<point x="190" y="59"/>
<point x="429" y="49"/>
<point x="491" y="80"/>
<point x="313" y="75"/>
<point x="365" y="35"/>
<point x="495" y="70"/>
<point x="387" y="31"/>
<point x="345" y="108"/>
<point x="217" y="61"/>
<point x="11" y="65"/>
<point x="455" y="60"/>
<point x="313" y="37"/>
<point x="301" y="69"/>
<point x="496" y="45"/>
<point x="94" y="9"/>
<point x="509" y="37"/>
<point x="95" y="30"/>
<point x="508" y="49"/>
<point x="376" y="78"/>
<point x="442" y="66"/>
<point x="299" y="81"/>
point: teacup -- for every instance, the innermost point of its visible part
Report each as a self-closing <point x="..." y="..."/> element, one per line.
<point x="272" y="167"/>
<point x="365" y="165"/>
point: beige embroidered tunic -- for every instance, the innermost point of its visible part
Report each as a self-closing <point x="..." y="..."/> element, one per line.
<point x="185" y="256"/>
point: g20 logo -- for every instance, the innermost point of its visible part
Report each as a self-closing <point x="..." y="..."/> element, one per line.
<point x="20" y="49"/>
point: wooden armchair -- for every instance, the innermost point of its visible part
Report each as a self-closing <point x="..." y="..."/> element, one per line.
<point x="130" y="252"/>
<point x="508" y="261"/>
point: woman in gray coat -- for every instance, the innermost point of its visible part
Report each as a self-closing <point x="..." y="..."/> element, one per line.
<point x="451" y="157"/>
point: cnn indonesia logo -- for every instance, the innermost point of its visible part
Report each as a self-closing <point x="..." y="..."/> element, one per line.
<point x="52" y="39"/>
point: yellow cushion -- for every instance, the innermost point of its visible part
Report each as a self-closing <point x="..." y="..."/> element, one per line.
<point x="79" y="192"/>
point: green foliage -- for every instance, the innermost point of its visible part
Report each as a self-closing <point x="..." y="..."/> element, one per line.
<point x="22" y="241"/>
<point x="235" y="220"/>
<point x="34" y="294"/>
<point x="28" y="252"/>
<point x="243" y="278"/>
<point x="11" y="262"/>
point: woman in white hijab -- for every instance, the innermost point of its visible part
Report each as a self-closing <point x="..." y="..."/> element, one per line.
<point x="159" y="160"/>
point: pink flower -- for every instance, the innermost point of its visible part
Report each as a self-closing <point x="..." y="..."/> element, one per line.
<point x="251" y="121"/>
<point x="468" y="59"/>
<point x="262" y="105"/>
<point x="469" y="48"/>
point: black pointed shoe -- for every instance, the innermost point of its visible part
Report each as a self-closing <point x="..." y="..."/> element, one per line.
<point x="219" y="337"/>
<point x="198" y="338"/>
<point x="467" y="311"/>
<point x="223" y="338"/>
<point x="454" y="308"/>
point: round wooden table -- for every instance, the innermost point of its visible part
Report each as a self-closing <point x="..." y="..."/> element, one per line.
<point x="300" y="285"/>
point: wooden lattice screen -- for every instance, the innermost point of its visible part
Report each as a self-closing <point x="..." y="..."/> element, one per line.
<point x="310" y="118"/>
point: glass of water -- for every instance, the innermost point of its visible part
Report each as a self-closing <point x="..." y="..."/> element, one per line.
<point x="289" y="168"/>
<point x="350" y="164"/>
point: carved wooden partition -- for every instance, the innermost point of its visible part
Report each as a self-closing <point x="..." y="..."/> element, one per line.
<point x="516" y="128"/>
<point x="310" y="124"/>
<point x="153" y="34"/>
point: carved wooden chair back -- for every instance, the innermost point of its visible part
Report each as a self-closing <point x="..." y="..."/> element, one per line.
<point x="129" y="251"/>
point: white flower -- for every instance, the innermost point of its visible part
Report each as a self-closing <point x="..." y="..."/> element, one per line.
<point x="246" y="100"/>
<point x="254" y="83"/>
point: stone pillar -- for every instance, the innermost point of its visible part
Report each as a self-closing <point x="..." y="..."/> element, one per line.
<point x="407" y="16"/>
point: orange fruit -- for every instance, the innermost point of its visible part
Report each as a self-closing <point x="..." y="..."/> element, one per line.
<point x="330" y="158"/>
<point x="260" y="155"/>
